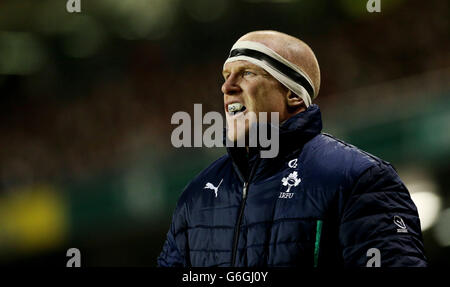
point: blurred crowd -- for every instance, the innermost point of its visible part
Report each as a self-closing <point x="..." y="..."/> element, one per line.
<point x="127" y="105"/>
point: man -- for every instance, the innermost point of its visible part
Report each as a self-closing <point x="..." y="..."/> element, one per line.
<point x="320" y="202"/>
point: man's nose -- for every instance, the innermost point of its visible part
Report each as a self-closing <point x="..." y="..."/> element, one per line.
<point x="231" y="86"/>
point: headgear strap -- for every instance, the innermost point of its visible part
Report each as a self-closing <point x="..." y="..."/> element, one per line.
<point x="281" y="69"/>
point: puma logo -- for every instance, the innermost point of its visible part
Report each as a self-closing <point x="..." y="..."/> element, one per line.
<point x="211" y="186"/>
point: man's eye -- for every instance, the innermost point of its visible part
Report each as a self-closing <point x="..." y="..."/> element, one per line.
<point x="247" y="73"/>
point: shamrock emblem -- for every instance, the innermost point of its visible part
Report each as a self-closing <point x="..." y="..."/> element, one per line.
<point x="291" y="180"/>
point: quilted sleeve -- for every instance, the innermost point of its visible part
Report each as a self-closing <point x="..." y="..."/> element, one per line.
<point x="379" y="224"/>
<point x="174" y="252"/>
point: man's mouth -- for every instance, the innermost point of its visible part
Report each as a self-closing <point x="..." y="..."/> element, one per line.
<point x="235" y="108"/>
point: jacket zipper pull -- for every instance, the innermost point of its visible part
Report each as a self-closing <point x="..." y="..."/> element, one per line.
<point x="244" y="190"/>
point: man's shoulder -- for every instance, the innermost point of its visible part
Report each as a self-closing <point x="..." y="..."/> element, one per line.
<point x="214" y="171"/>
<point x="332" y="154"/>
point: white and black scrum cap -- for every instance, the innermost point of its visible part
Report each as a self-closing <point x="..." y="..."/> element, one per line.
<point x="287" y="73"/>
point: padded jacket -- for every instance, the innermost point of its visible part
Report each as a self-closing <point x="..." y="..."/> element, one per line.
<point x="320" y="203"/>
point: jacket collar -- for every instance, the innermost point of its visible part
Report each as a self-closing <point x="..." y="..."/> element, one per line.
<point x="299" y="129"/>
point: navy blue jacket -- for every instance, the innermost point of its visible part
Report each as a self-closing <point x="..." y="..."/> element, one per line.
<point x="320" y="202"/>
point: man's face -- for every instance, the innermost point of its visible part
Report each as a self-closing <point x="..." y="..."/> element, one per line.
<point x="257" y="91"/>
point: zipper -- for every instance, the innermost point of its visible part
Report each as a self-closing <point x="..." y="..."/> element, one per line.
<point x="238" y="224"/>
<point x="241" y="214"/>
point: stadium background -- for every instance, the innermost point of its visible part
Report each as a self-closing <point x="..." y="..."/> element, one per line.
<point x="86" y="100"/>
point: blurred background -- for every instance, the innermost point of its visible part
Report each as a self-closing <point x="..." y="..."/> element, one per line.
<point x="86" y="101"/>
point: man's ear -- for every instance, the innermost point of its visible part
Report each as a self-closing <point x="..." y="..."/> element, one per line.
<point x="294" y="102"/>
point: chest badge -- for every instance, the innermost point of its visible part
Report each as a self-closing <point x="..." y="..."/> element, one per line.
<point x="211" y="186"/>
<point x="290" y="181"/>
